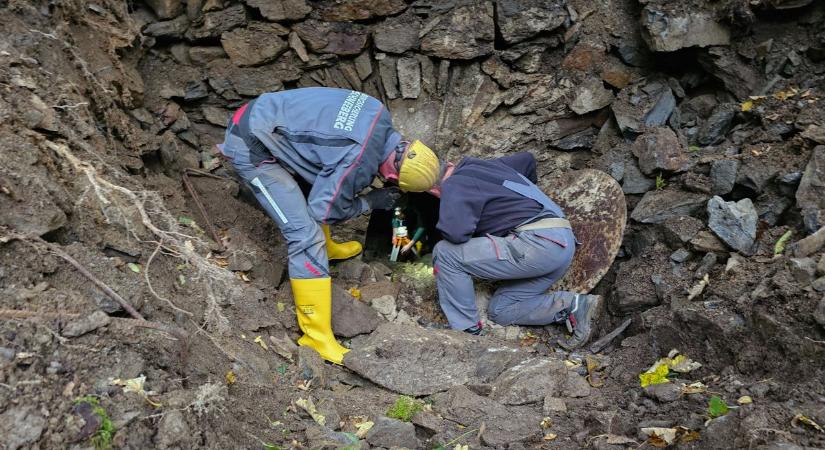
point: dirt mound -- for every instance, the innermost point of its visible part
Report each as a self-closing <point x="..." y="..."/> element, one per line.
<point x="710" y="115"/>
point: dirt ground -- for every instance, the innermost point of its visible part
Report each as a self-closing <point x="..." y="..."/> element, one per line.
<point x="709" y="114"/>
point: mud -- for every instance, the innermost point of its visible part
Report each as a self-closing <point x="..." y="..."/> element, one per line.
<point x="104" y="104"/>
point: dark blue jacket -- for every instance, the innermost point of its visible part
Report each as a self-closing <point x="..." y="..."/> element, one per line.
<point x="474" y="201"/>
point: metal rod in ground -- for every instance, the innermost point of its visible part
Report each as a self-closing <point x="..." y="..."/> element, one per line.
<point x="196" y="198"/>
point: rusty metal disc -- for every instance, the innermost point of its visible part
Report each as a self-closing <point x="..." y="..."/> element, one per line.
<point x="595" y="206"/>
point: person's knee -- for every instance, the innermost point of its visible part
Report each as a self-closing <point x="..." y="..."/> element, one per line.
<point x="444" y="254"/>
<point x="497" y="310"/>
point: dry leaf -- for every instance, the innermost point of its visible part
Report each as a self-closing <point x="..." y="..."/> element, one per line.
<point x="260" y="341"/>
<point x="694" y="388"/>
<point x="744" y="400"/>
<point x="546" y="422"/>
<point x="136" y="385"/>
<point x="355" y="293"/>
<point x="231" y="378"/>
<point x="550" y="436"/>
<point x="363" y="428"/>
<point x="280" y="306"/>
<point x="307" y="405"/>
<point x="807" y="421"/>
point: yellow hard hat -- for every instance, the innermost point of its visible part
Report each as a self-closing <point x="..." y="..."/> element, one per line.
<point x="419" y="168"/>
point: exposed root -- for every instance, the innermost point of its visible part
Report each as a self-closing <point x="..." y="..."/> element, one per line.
<point x="120" y="205"/>
<point x="152" y="289"/>
<point x="11" y="314"/>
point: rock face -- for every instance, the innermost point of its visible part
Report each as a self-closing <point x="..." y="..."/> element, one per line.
<point x="503" y="425"/>
<point x="666" y="31"/>
<point x="521" y="19"/>
<point x="278" y="10"/>
<point x="349" y="10"/>
<point x="640" y="106"/>
<point x="415" y="361"/>
<point x="256" y="44"/>
<point x="658" y="206"/>
<point x="216" y="23"/>
<point x="166" y="9"/>
<point x="591" y="96"/>
<point x="734" y="222"/>
<point x="397" y="34"/>
<point x="392" y="433"/>
<point x="339" y="38"/>
<point x="409" y="77"/>
<point x="466" y="32"/>
<point x="659" y="150"/>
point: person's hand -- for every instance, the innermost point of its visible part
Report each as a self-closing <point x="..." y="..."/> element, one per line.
<point x="407" y="247"/>
<point x="383" y="198"/>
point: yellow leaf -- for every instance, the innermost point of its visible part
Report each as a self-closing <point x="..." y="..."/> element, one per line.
<point x="363" y="428"/>
<point x="658" y="376"/>
<point x="355" y="293"/>
<point x="550" y="436"/>
<point x="807" y="421"/>
<point x="461" y="447"/>
<point x="231" y="378"/>
<point x="136" y="385"/>
<point x="260" y="341"/>
<point x="546" y="422"/>
<point x="747" y="106"/>
<point x="281" y="307"/>
<point x="683" y="364"/>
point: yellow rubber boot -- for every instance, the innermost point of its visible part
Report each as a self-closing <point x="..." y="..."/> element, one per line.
<point x="313" y="305"/>
<point x="340" y="250"/>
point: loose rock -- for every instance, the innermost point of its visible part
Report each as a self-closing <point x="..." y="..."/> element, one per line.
<point x="809" y="194"/>
<point x="530" y="382"/>
<point x="279" y="10"/>
<point x="409" y="77"/>
<point x="591" y="96"/>
<point x="658" y="206"/>
<point x="351" y="317"/>
<point x="660" y="150"/>
<point x="391" y="433"/>
<point x="398" y="34"/>
<point x="86" y="324"/>
<point x="166" y="9"/>
<point x="666" y="31"/>
<point x="723" y="176"/>
<point x="340" y="38"/>
<point x="20" y="426"/>
<point x="734" y="223"/>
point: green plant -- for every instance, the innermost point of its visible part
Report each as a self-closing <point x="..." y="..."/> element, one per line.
<point x="717" y="407"/>
<point x="660" y="182"/>
<point x="102" y="439"/>
<point x="693" y="148"/>
<point x="405" y="408"/>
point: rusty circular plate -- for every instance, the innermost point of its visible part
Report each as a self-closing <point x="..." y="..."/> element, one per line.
<point x="595" y="206"/>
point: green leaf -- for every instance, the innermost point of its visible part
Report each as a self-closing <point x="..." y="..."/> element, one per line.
<point x="186" y="221"/>
<point x="352" y="437"/>
<point x="717" y="407"/>
<point x="281" y="369"/>
<point x="779" y="248"/>
<point x="271" y="447"/>
<point x="134" y="267"/>
<point x="693" y="148"/>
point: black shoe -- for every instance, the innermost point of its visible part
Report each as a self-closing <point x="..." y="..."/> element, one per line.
<point x="581" y="317"/>
<point x="475" y="329"/>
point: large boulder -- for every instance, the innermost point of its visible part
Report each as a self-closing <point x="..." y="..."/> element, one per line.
<point x="659" y="150"/>
<point x="667" y="31"/>
<point x="734" y="222"/>
<point x="530" y="381"/>
<point x="415" y="361"/>
<point x="465" y="32"/>
<point x="256" y="44"/>
<point x="522" y="19"/>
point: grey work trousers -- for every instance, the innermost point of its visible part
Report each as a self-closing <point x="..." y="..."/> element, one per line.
<point x="281" y="197"/>
<point x="527" y="262"/>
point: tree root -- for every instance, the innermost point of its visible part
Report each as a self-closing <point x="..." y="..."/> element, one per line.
<point x="11" y="314"/>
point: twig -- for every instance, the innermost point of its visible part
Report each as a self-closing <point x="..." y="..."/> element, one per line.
<point x="197" y="200"/>
<point x="76" y="105"/>
<point x="152" y="290"/>
<point x="815" y="341"/>
<point x="85" y="272"/>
